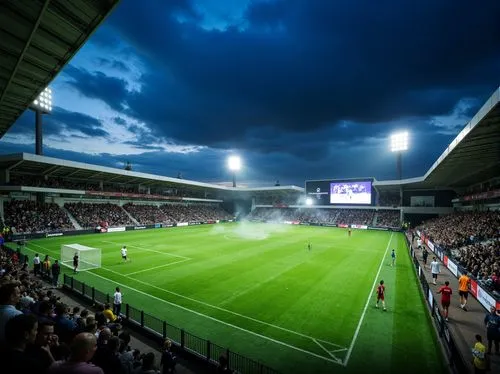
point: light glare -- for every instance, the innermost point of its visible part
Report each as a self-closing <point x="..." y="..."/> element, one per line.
<point x="399" y="142"/>
<point x="234" y="163"/>
<point x="309" y="201"/>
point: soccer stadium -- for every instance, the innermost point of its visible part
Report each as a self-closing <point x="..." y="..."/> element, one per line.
<point x="273" y="279"/>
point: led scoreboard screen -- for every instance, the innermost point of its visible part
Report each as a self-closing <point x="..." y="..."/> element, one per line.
<point x="340" y="192"/>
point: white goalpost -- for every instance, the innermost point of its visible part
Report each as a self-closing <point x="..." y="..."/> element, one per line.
<point x="88" y="257"/>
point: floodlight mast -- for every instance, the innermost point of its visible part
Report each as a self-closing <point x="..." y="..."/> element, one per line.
<point x="399" y="144"/>
<point x="234" y="164"/>
<point x="41" y="105"/>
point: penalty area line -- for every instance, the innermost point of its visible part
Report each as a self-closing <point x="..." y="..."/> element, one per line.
<point x="156" y="267"/>
<point x="358" y="328"/>
<point x="149" y="250"/>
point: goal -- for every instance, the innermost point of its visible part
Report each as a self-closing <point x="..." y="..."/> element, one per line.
<point x="89" y="258"/>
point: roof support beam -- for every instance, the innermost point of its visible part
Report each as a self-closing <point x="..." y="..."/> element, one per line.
<point x="23" y="52"/>
<point x="15" y="165"/>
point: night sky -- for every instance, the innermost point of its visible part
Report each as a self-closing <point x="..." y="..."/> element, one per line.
<point x="301" y="89"/>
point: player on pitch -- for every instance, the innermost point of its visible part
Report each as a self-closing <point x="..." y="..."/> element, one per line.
<point x="380" y="291"/>
<point x="124" y="253"/>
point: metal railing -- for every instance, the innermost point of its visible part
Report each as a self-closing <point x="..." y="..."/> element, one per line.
<point x="182" y="339"/>
<point x="454" y="356"/>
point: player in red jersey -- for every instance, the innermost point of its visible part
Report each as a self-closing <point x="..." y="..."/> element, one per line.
<point x="380" y="291"/>
<point x="445" y="292"/>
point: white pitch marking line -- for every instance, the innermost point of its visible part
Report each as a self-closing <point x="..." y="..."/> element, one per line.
<point x="150" y="250"/>
<point x="156" y="267"/>
<point x="222" y="322"/>
<point x="337" y="360"/>
<point x="358" y="328"/>
<point x="215" y="307"/>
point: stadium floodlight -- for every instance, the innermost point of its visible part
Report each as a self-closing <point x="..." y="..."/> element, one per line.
<point x="234" y="164"/>
<point x="399" y="144"/>
<point x="41" y="105"/>
<point x="309" y="201"/>
<point x="43" y="102"/>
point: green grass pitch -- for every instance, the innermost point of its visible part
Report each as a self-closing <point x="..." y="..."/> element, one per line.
<point x="258" y="290"/>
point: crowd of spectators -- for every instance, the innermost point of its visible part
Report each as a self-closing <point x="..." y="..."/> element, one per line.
<point x="39" y="333"/>
<point x="388" y="218"/>
<point x="147" y="214"/>
<point x="194" y="212"/>
<point x="24" y="216"/>
<point x="356" y="217"/>
<point x="473" y="239"/>
<point x="91" y="215"/>
<point x="324" y="216"/>
<point x="462" y="228"/>
<point x="482" y="260"/>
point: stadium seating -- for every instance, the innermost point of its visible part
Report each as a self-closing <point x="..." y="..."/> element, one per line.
<point x="328" y="216"/>
<point x="472" y="237"/>
<point x="388" y="218"/>
<point x="29" y="216"/>
<point x="147" y="214"/>
<point x="90" y="215"/>
<point x="356" y="217"/>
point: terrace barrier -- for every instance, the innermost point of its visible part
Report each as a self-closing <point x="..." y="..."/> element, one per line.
<point x="161" y="330"/>
<point x="455" y="358"/>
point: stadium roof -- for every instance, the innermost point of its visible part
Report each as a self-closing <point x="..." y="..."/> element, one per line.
<point x="472" y="157"/>
<point x="37" y="39"/>
<point x="30" y="164"/>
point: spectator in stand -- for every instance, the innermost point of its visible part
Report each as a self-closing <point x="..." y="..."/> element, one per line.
<point x="492" y="323"/>
<point x="168" y="359"/>
<point x="56" y="271"/>
<point x="64" y="326"/>
<point x="10" y="294"/>
<point x="83" y="348"/>
<point x="36" y="264"/>
<point x="147" y="366"/>
<point x="44" y="342"/>
<point x="46" y="267"/>
<point x="117" y="301"/>
<point x="106" y="355"/>
<point x="20" y="331"/>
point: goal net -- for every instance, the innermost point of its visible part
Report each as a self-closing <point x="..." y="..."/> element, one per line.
<point x="88" y="257"/>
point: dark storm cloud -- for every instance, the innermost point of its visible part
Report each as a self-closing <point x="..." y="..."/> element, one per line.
<point x="77" y="121"/>
<point x="59" y="121"/>
<point x="98" y="85"/>
<point x="302" y="65"/>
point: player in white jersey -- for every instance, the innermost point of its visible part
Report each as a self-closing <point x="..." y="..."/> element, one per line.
<point x="124" y="253"/>
<point x="434" y="269"/>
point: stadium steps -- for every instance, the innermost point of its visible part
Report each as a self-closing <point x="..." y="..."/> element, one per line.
<point x="336" y="217"/>
<point x="375" y="218"/>
<point x="130" y="216"/>
<point x="72" y="219"/>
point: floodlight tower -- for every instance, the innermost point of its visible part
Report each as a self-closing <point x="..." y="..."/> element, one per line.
<point x="399" y="144"/>
<point x="234" y="164"/>
<point x="41" y="105"/>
